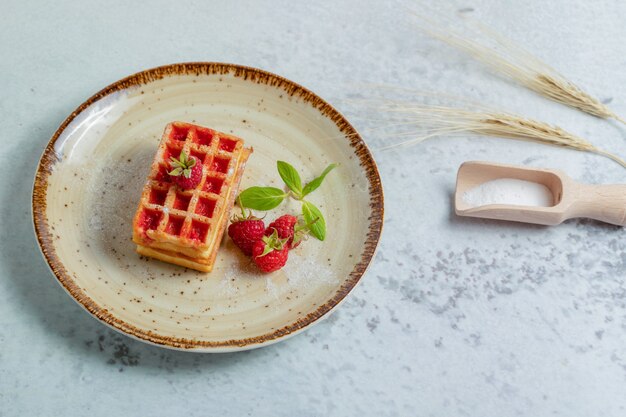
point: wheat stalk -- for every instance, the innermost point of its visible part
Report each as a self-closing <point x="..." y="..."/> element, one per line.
<point x="521" y="66"/>
<point x="440" y="120"/>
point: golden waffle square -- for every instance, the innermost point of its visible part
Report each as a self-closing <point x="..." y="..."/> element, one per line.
<point x="185" y="227"/>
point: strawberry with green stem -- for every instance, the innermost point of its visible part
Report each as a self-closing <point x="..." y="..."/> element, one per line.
<point x="246" y="230"/>
<point x="186" y="171"/>
<point x="270" y="253"/>
<point x="289" y="227"/>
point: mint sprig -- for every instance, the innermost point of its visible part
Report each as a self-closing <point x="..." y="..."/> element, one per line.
<point x="291" y="177"/>
<point x="314" y="217"/>
<point x="315" y="183"/>
<point x="268" y="198"/>
<point x="261" y="198"/>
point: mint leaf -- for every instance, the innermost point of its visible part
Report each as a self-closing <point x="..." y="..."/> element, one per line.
<point x="313" y="215"/>
<point x="261" y="198"/>
<point x="290" y="176"/>
<point x="314" y="184"/>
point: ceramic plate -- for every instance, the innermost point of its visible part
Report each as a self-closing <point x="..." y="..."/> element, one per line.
<point x="89" y="181"/>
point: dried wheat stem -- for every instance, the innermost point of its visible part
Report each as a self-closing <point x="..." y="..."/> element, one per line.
<point x="610" y="155"/>
<point x="514" y="62"/>
<point x="439" y="120"/>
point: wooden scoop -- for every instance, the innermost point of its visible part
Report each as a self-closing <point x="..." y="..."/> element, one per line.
<point x="606" y="203"/>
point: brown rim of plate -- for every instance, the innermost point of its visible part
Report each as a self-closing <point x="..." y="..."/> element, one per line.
<point x="49" y="159"/>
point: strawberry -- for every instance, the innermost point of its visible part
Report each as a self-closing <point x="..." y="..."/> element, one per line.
<point x="245" y="231"/>
<point x="285" y="228"/>
<point x="288" y="227"/>
<point x="270" y="253"/>
<point x="187" y="172"/>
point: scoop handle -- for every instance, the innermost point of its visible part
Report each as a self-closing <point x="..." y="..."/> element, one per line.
<point x="606" y="203"/>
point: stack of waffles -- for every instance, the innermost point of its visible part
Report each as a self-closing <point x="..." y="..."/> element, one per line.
<point x="185" y="227"/>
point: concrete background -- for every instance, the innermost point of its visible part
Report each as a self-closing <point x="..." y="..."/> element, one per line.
<point x="456" y="317"/>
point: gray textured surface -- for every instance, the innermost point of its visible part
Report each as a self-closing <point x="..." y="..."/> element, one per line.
<point x="457" y="317"/>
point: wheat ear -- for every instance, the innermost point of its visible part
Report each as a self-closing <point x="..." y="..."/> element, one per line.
<point x="519" y="65"/>
<point x="439" y="120"/>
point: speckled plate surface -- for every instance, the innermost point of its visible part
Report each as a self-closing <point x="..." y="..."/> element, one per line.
<point x="89" y="181"/>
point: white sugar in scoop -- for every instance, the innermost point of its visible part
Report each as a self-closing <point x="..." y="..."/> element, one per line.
<point x="509" y="191"/>
<point x="540" y="196"/>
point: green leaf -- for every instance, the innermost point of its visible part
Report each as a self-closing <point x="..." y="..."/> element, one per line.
<point x="176" y="171"/>
<point x="175" y="162"/>
<point x="290" y="176"/>
<point x="313" y="215"/>
<point x="267" y="249"/>
<point x="261" y="198"/>
<point x="273" y="242"/>
<point x="314" y="184"/>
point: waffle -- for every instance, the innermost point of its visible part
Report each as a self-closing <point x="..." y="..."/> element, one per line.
<point x="185" y="227"/>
